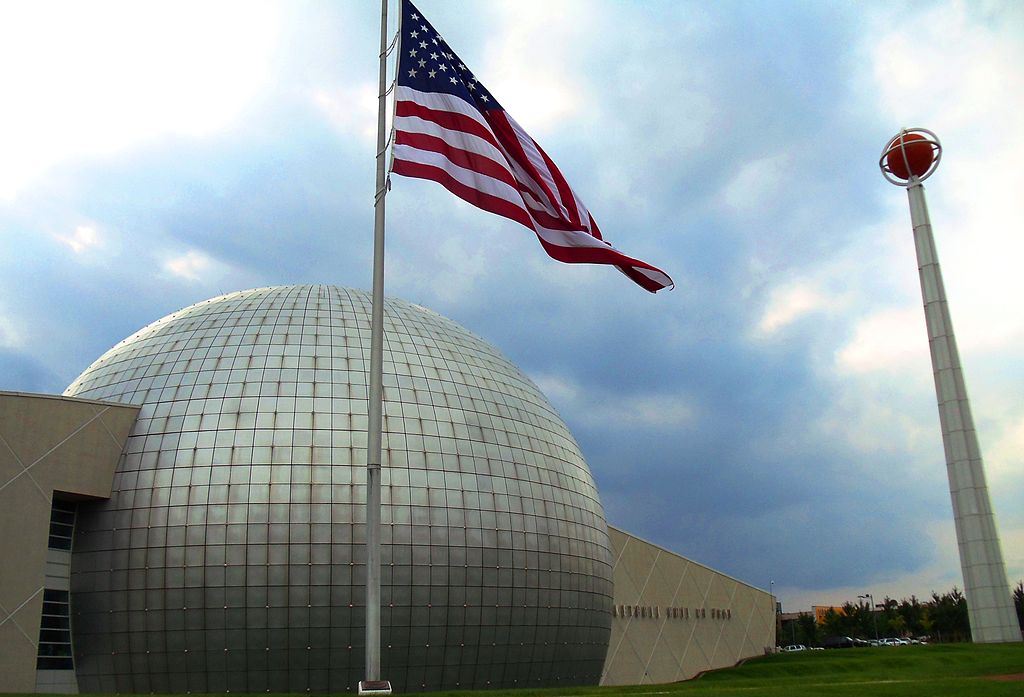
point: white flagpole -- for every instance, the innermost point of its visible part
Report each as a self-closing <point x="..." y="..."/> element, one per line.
<point x="376" y="397"/>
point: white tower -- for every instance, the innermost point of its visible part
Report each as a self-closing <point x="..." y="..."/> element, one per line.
<point x="908" y="159"/>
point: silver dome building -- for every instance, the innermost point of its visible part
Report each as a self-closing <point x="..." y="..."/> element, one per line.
<point x="230" y="554"/>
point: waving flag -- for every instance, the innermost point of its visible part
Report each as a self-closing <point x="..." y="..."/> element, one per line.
<point x="450" y="129"/>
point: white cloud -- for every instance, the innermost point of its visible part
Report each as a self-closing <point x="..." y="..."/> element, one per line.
<point x="81" y="80"/>
<point x="627" y="411"/>
<point x="889" y="416"/>
<point x="451" y="275"/>
<point x="1012" y="542"/>
<point x="352" y="110"/>
<point x="756" y="184"/>
<point x="889" y="340"/>
<point x="652" y="410"/>
<point x="82" y="238"/>
<point x="789" y="303"/>
<point x="550" y="34"/>
<point x="948" y="64"/>
<point x="1005" y="456"/>
<point x="9" y="334"/>
<point x="558" y="389"/>
<point x="865" y="276"/>
<point x="193" y="266"/>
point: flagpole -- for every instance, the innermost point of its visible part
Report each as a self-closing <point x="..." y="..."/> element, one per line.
<point x="376" y="397"/>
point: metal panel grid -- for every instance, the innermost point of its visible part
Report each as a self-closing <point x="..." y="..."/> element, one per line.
<point x="230" y="557"/>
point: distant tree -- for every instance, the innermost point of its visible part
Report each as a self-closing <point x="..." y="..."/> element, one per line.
<point x="801" y="630"/>
<point x="926" y="621"/>
<point x="896" y="626"/>
<point x="840" y="623"/>
<point x="889" y="619"/>
<point x="787" y="633"/>
<point x="865" y="621"/>
<point x="832" y="624"/>
<point x="855" y="620"/>
<point x="807" y="628"/>
<point x="1018" y="602"/>
<point x="943" y="617"/>
<point x="913" y="614"/>
<point x="948" y="615"/>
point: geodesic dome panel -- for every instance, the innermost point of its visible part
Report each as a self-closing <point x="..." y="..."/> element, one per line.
<point x="230" y="555"/>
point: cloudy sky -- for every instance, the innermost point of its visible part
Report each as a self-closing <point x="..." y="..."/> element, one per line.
<point x="772" y="417"/>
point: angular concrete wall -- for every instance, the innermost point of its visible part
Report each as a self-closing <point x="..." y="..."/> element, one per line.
<point x="47" y="444"/>
<point x="674" y="618"/>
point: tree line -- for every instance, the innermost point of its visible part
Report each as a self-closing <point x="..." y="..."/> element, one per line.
<point x="942" y="618"/>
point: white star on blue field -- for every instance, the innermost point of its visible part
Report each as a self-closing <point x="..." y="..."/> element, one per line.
<point x="773" y="417"/>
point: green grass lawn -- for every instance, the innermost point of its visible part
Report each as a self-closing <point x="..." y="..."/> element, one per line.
<point x="906" y="671"/>
<point x="945" y="670"/>
<point x="952" y="670"/>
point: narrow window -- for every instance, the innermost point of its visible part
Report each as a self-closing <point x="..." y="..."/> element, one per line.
<point x="62" y="524"/>
<point x="55" y="632"/>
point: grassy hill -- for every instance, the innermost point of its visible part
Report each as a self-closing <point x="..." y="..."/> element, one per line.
<point x="932" y="671"/>
<point x="945" y="670"/>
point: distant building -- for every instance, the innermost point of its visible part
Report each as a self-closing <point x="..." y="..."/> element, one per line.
<point x="188" y="518"/>
<point x="821" y="612"/>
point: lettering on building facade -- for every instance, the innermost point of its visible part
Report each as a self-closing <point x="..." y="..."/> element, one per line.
<point x="672" y="613"/>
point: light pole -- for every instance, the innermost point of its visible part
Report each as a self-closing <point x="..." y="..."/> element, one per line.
<point x="907" y="160"/>
<point x="775" y="612"/>
<point x="874" y="617"/>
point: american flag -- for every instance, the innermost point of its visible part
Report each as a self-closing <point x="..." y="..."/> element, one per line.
<point x="449" y="128"/>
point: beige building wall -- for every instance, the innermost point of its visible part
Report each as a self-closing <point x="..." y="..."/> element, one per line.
<point x="47" y="444"/>
<point x="674" y="618"/>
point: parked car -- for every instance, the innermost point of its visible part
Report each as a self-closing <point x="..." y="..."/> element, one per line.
<point x="838" y="642"/>
<point x="795" y="647"/>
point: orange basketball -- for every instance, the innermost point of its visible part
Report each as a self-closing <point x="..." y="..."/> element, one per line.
<point x="916" y="150"/>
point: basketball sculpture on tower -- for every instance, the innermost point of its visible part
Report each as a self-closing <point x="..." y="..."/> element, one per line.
<point x="911" y="155"/>
<point x="907" y="160"/>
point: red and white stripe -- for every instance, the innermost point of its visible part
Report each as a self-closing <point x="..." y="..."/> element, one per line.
<point x="488" y="160"/>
